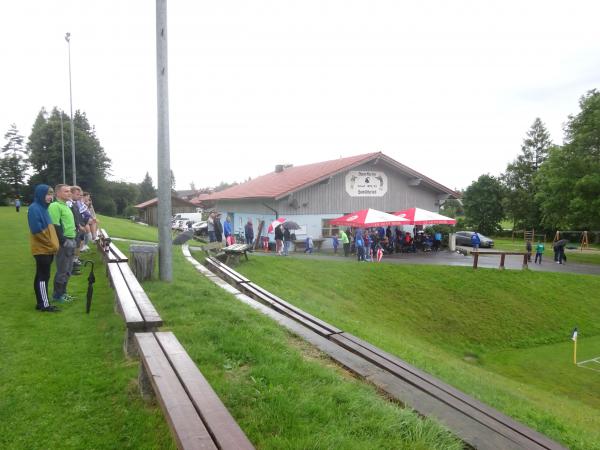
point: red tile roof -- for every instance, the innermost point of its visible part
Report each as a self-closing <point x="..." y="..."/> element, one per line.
<point x="277" y="185"/>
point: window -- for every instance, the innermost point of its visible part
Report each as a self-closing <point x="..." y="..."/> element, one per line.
<point x="327" y="230"/>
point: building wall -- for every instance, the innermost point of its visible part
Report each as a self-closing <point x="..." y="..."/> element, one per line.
<point x="331" y="196"/>
<point x="327" y="200"/>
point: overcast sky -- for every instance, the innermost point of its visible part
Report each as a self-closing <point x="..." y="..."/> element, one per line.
<point x="448" y="88"/>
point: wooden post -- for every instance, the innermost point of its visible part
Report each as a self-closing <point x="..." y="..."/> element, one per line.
<point x="475" y="259"/>
<point x="502" y="256"/>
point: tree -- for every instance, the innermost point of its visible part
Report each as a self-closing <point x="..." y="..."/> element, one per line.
<point x="482" y="201"/>
<point x="45" y="151"/>
<point x="147" y="190"/>
<point x="569" y="181"/>
<point x="14" y="164"/>
<point x="519" y="179"/>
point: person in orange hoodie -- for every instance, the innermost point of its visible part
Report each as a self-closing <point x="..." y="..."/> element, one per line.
<point x="44" y="245"/>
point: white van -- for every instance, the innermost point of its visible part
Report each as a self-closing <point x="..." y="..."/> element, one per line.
<point x="194" y="217"/>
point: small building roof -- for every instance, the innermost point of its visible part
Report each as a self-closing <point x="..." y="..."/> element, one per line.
<point x="278" y="184"/>
<point x="174" y="199"/>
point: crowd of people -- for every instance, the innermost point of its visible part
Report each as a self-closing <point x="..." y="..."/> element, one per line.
<point x="372" y="243"/>
<point x="62" y="223"/>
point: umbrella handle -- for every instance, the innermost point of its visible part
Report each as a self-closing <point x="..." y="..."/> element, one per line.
<point x="89" y="262"/>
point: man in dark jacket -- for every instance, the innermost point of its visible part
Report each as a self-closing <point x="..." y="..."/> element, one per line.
<point x="249" y="232"/>
<point x="218" y="228"/>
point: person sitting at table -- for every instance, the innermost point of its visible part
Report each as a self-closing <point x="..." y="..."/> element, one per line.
<point x="427" y="243"/>
<point x="409" y="244"/>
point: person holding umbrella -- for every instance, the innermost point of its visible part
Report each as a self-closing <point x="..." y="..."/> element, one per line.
<point x="279" y="239"/>
<point x="287" y="240"/>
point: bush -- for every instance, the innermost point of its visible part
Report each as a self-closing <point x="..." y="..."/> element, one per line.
<point x="105" y="205"/>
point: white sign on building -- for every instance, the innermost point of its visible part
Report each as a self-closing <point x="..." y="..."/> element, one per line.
<point x="366" y="183"/>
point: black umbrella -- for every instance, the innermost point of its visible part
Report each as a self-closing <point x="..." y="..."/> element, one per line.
<point x="291" y="225"/>
<point x="90" y="289"/>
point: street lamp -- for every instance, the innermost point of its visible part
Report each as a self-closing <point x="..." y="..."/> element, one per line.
<point x="62" y="143"/>
<point x="68" y="39"/>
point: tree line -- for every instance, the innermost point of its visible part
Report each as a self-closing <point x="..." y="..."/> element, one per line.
<point x="548" y="186"/>
<point x="24" y="164"/>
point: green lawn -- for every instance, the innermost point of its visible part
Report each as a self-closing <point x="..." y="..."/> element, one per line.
<point x="502" y="336"/>
<point x="122" y="228"/>
<point x="585" y="256"/>
<point x="64" y="383"/>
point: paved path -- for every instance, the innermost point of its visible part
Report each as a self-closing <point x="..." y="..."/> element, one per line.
<point x="446" y="258"/>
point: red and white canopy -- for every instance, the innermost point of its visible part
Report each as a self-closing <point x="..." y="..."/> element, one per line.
<point x="275" y="224"/>
<point x="366" y="218"/>
<point x="418" y="216"/>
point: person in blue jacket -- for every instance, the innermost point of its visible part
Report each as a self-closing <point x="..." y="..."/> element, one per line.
<point x="44" y="245"/>
<point x="360" y="245"/>
<point x="475" y="241"/>
<point x="227" y="231"/>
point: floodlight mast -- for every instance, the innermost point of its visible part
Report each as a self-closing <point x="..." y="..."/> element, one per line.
<point x="68" y="39"/>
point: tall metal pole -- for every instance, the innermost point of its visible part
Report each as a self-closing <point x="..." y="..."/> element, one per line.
<point x="62" y="143"/>
<point x="68" y="39"/>
<point x="165" y="263"/>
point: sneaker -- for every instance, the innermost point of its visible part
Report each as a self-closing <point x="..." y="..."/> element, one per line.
<point x="85" y="248"/>
<point x="60" y="299"/>
<point x="50" y="309"/>
<point x="69" y="298"/>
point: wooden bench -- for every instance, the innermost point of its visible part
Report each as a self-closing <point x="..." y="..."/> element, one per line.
<point x="212" y="248"/>
<point x="225" y="271"/>
<point x="110" y="252"/>
<point x="502" y="254"/>
<point x="195" y="414"/>
<point x="133" y="304"/>
<point x="234" y="252"/>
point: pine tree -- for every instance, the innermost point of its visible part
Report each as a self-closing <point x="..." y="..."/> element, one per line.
<point x="519" y="179"/>
<point x="14" y="163"/>
<point x="147" y="190"/>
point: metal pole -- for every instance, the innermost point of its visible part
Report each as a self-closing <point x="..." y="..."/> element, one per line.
<point x="62" y="142"/>
<point x="68" y="39"/>
<point x="165" y="263"/>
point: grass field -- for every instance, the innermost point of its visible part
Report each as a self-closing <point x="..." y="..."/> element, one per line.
<point x="586" y="256"/>
<point x="501" y="336"/>
<point x="64" y="383"/>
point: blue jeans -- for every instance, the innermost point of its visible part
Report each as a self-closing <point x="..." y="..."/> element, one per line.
<point x="286" y="247"/>
<point x="212" y="237"/>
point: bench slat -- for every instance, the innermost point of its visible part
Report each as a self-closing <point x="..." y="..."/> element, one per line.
<point x="118" y="254"/>
<point x="298" y="311"/>
<point x="225" y="268"/>
<point x="130" y="312"/>
<point x="145" y="306"/>
<point x="183" y="419"/>
<point x="222" y="426"/>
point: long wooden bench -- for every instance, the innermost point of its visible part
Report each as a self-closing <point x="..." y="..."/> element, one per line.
<point x="502" y="254"/>
<point x="197" y="417"/>
<point x="133" y="304"/>
<point x="110" y="252"/>
<point x="227" y="272"/>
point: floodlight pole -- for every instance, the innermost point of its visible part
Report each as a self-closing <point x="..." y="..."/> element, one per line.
<point x="62" y="143"/>
<point x="165" y="263"/>
<point x="68" y="39"/>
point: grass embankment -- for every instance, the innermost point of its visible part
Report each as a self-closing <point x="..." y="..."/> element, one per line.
<point x="282" y="392"/>
<point x="502" y="336"/>
<point x="64" y="383"/>
<point x="127" y="229"/>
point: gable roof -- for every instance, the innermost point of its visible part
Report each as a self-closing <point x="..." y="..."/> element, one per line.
<point x="277" y="185"/>
<point x="174" y="199"/>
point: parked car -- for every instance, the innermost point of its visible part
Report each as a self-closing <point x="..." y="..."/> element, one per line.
<point x="200" y="228"/>
<point x="464" y="238"/>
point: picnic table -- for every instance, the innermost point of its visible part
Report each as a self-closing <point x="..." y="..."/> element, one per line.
<point x="233" y="252"/>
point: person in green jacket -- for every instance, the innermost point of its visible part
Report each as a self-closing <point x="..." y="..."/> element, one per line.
<point x="345" y="242"/>
<point x="64" y="222"/>
<point x="539" y="251"/>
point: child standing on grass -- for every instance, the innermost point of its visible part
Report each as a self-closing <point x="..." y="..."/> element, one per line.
<point x="539" y="251"/>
